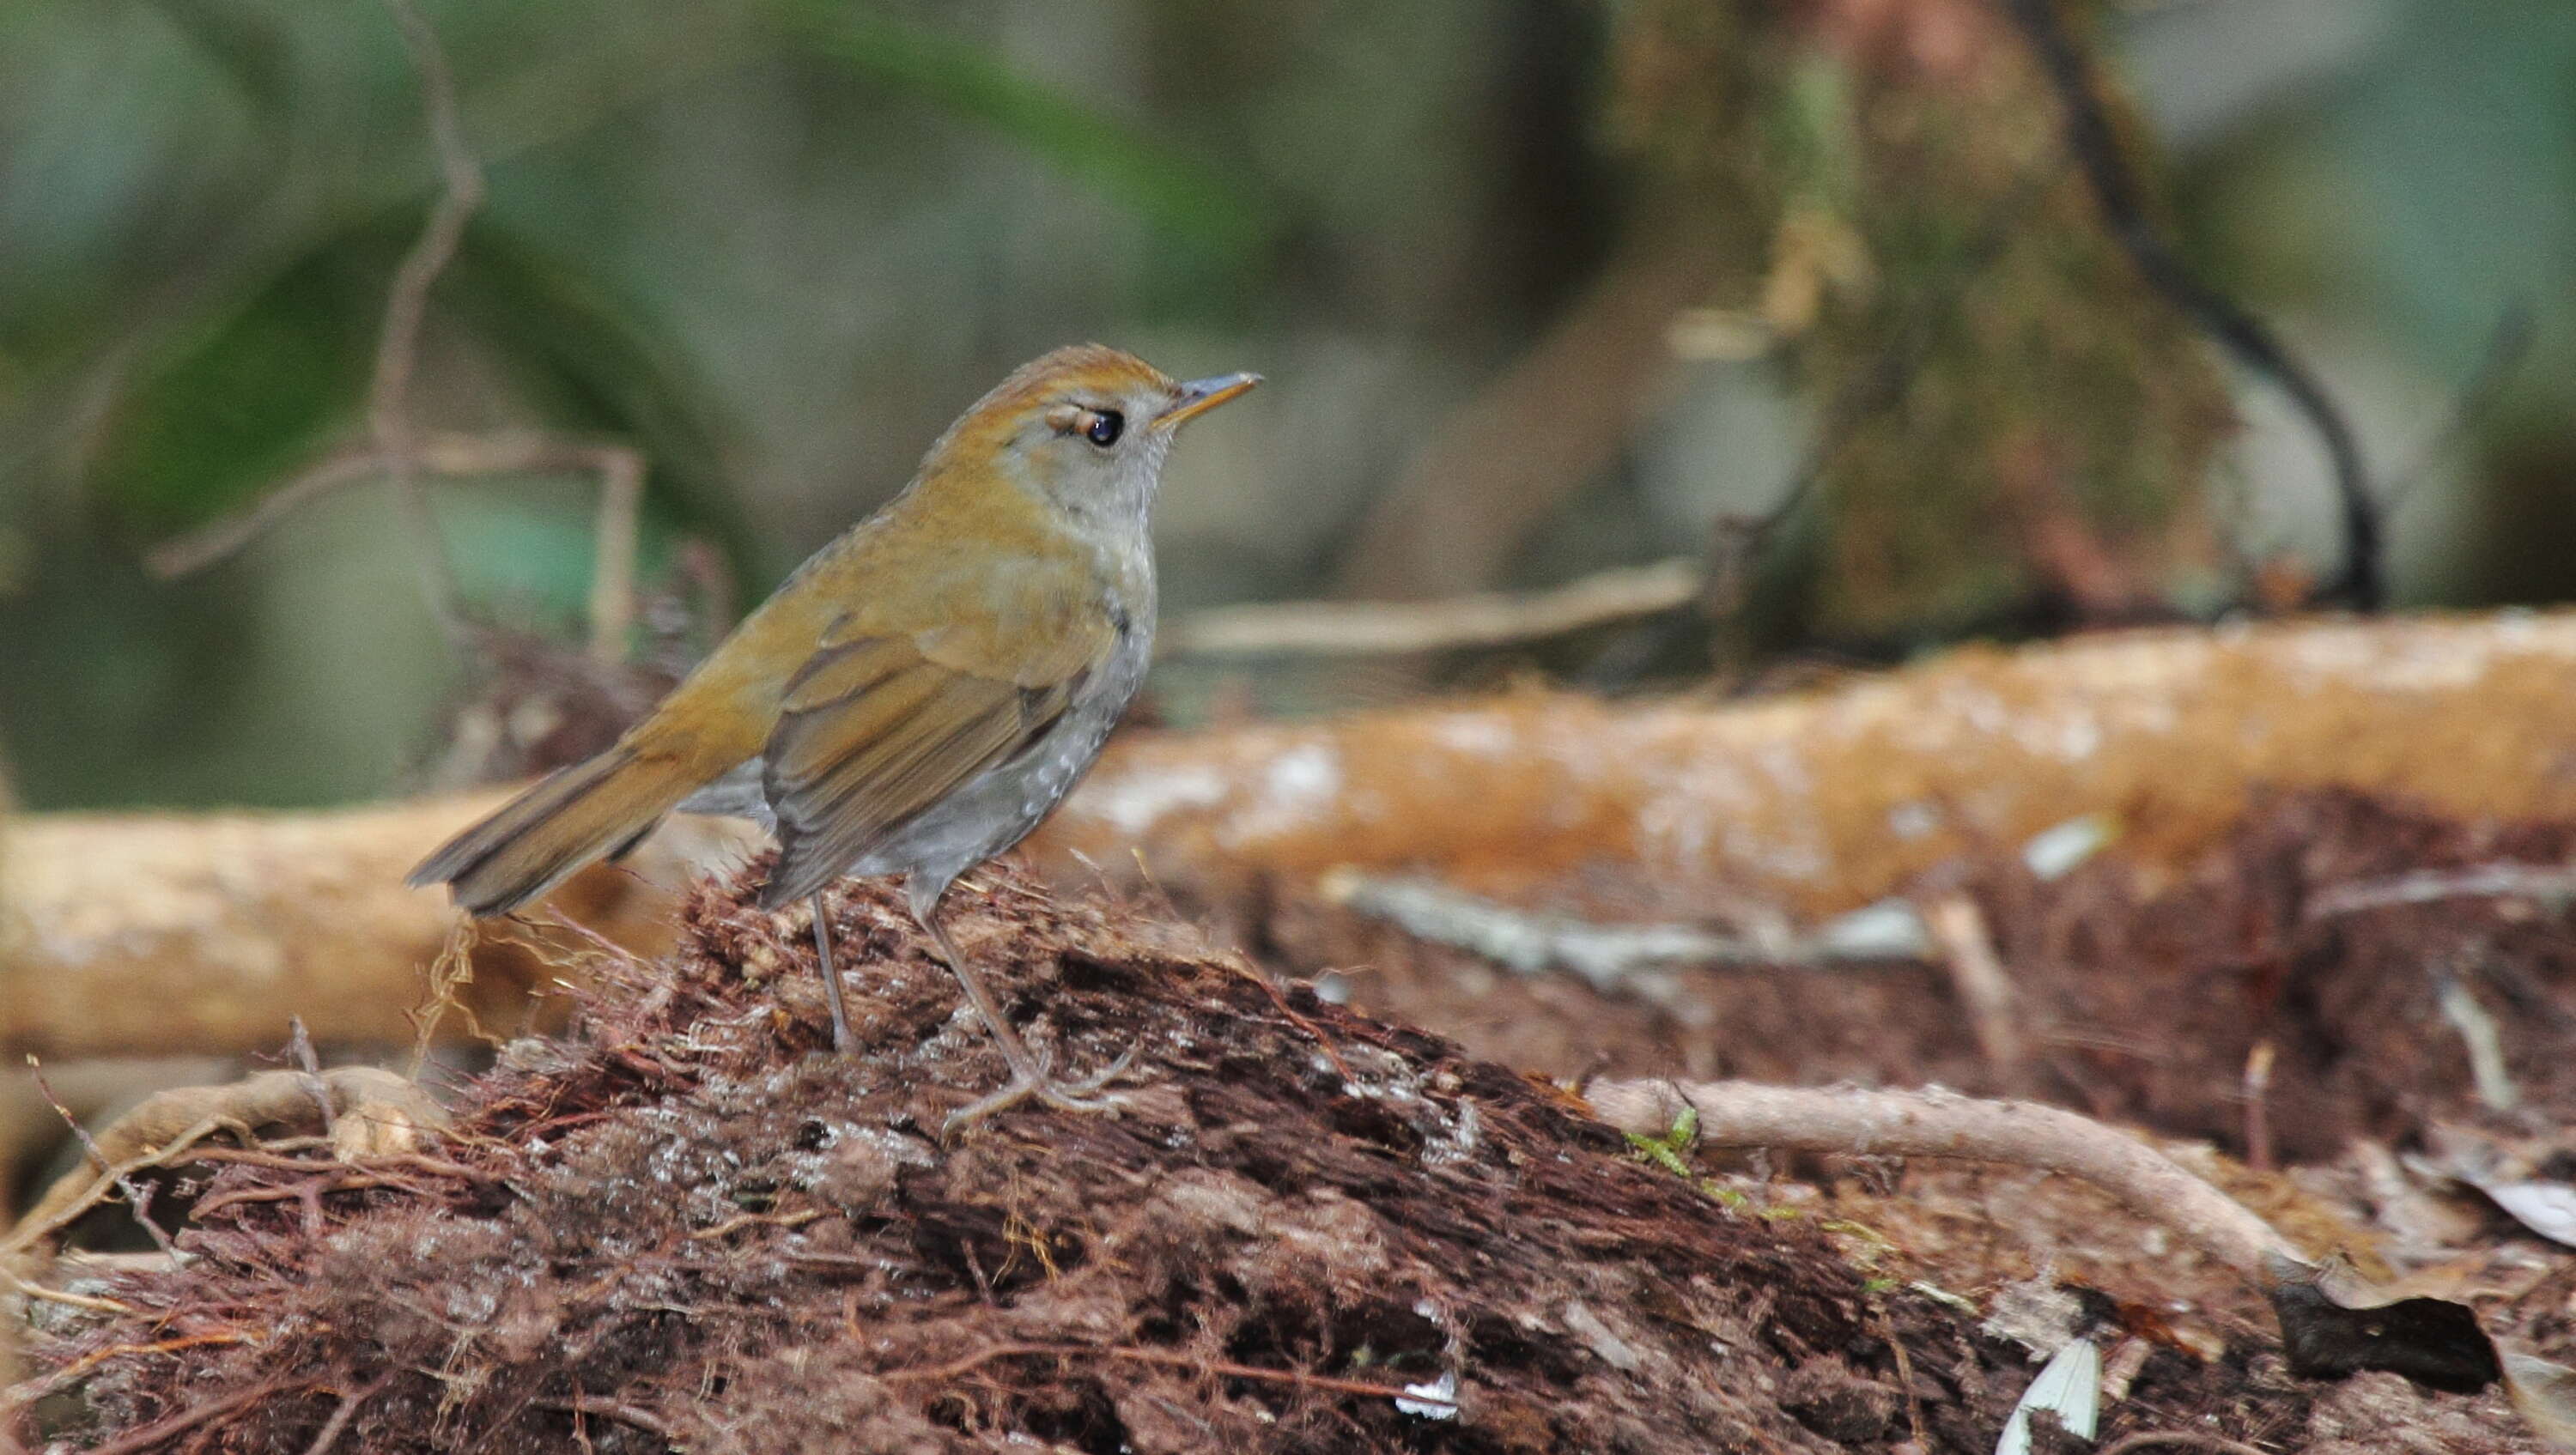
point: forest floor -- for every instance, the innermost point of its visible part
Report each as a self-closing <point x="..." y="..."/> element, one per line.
<point x="687" y="1224"/>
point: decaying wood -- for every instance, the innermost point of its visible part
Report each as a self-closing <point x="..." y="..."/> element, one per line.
<point x="1820" y="803"/>
<point x="360" y="1111"/>
<point x="143" y="932"/>
<point x="88" y="1089"/>
<point x="130" y="934"/>
<point x="354" y="1111"/>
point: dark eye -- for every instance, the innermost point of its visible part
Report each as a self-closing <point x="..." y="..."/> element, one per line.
<point x="1104" y="427"/>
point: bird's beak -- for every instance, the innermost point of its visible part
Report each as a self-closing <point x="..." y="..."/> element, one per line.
<point x="1199" y="396"/>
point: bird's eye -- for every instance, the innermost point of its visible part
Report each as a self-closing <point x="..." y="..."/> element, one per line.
<point x="1104" y="427"/>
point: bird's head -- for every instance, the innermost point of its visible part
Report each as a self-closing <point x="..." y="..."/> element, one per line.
<point x="1085" y="428"/>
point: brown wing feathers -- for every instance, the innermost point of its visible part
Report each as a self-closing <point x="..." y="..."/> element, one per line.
<point x="539" y="838"/>
<point x="872" y="734"/>
<point x="891" y="707"/>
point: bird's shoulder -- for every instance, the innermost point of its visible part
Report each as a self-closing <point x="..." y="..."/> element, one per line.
<point x="996" y="594"/>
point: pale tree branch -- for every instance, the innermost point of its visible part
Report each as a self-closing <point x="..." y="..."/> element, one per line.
<point x="407" y="302"/>
<point x="364" y="1111"/>
<point x="2333" y="1322"/>
<point x="202" y="548"/>
<point x="1849" y="1121"/>
<point x="1479" y="619"/>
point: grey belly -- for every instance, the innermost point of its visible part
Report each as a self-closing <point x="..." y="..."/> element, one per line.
<point x="993" y="810"/>
<point x="998" y="807"/>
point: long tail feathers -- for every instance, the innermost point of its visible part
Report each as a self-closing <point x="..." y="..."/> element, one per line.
<point x="535" y="841"/>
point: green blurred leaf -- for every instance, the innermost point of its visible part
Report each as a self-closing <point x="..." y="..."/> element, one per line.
<point x="251" y="397"/>
<point x="249" y="48"/>
<point x="593" y="362"/>
<point x="2458" y="144"/>
<point x="1176" y="191"/>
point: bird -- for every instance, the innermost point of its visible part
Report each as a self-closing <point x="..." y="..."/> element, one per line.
<point x="918" y="695"/>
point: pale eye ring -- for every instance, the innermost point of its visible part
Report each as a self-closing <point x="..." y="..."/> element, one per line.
<point x="1104" y="428"/>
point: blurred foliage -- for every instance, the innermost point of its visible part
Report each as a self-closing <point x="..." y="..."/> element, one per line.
<point x="1926" y="222"/>
<point x="1190" y="198"/>
<point x="776" y="245"/>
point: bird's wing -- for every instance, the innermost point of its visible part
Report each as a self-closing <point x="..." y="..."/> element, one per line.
<point x="889" y="716"/>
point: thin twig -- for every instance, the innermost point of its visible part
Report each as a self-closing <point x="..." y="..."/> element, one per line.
<point x="649" y="1423"/>
<point x="612" y="578"/>
<point x="134" y="1197"/>
<point x="2425" y="886"/>
<point x="70" y="1373"/>
<point x="1168" y="1358"/>
<point x="407" y="302"/>
<point x="25" y="1289"/>
<point x="740" y="1221"/>
<point x="340" y="1417"/>
<point x="299" y="1050"/>
<point x="621" y="485"/>
<point x="2362" y="581"/>
<point x="187" y="1419"/>
<point x="2188" y="1439"/>
<point x="2489" y="1072"/>
<point x="1478" y="619"/>
<point x="2258" y="1108"/>
<point x="1984" y="988"/>
<point x="202" y="548"/>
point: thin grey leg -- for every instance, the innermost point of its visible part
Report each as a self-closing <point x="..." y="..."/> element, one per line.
<point x="1028" y="1075"/>
<point x="842" y="1040"/>
<point x="924" y="894"/>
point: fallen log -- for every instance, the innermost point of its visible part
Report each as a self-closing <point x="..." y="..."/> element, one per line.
<point x="1824" y="801"/>
<point x="139" y="932"/>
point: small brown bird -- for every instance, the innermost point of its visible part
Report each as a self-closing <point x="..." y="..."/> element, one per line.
<point x="920" y="693"/>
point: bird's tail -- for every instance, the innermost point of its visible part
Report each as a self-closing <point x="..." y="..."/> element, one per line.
<point x="591" y="810"/>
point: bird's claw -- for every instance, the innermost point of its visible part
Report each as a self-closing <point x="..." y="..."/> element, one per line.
<point x="1090" y="1095"/>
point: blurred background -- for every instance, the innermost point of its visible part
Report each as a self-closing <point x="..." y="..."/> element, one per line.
<point x="1542" y="287"/>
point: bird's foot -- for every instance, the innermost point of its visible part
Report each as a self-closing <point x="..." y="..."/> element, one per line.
<point x="1031" y="1082"/>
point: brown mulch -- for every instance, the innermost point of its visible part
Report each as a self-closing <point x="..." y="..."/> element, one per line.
<point x="691" y="1224"/>
<point x="688" y="1225"/>
<point x="2145" y="988"/>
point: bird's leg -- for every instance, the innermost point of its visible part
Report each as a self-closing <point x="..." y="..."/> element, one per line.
<point x="1028" y="1074"/>
<point x="842" y="1040"/>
